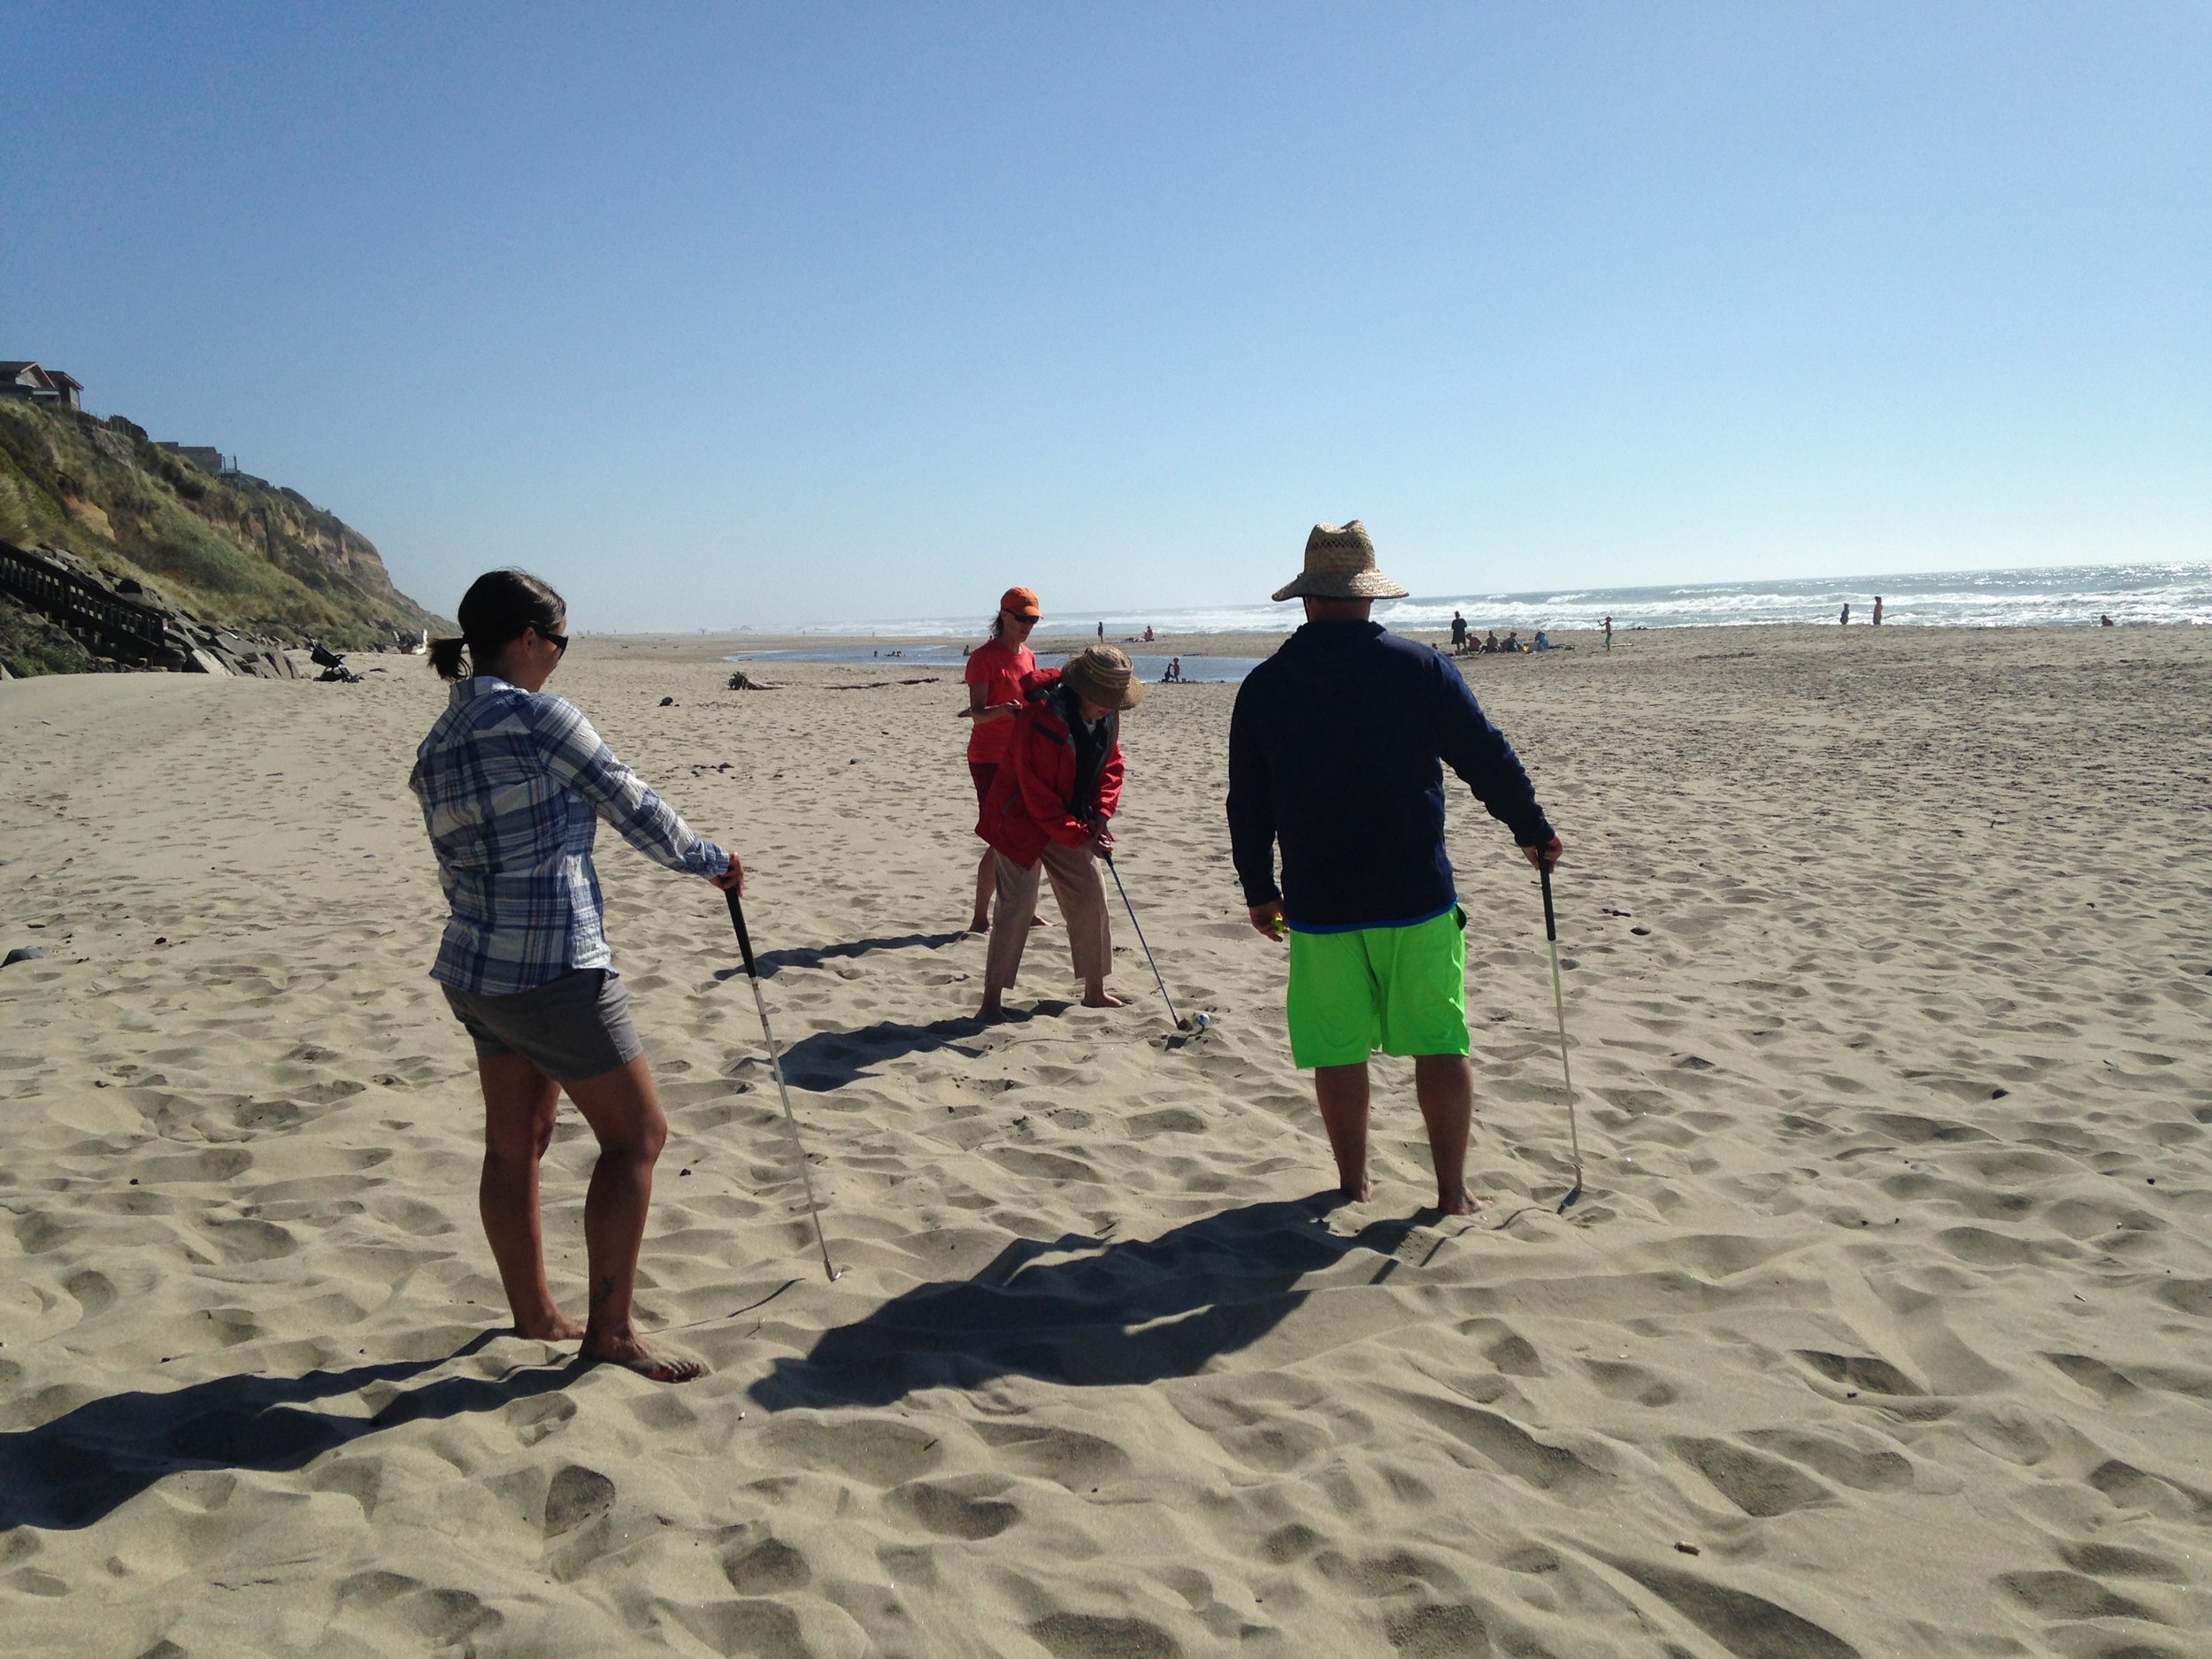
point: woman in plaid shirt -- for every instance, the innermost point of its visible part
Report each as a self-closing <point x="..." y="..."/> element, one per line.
<point x="512" y="783"/>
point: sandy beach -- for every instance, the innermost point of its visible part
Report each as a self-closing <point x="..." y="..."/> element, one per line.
<point x="1883" y="1326"/>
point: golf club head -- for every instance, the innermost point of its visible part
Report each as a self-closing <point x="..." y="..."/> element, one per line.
<point x="1570" y="1198"/>
<point x="1194" y="1022"/>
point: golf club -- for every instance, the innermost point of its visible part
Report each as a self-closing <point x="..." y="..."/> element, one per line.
<point x="1559" y="1007"/>
<point x="1197" y="1022"/>
<point x="775" y="1062"/>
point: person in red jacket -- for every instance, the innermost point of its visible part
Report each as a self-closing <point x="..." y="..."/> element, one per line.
<point x="998" y="670"/>
<point x="1047" y="814"/>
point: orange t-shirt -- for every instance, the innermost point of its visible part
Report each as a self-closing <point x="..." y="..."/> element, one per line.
<point x="998" y="668"/>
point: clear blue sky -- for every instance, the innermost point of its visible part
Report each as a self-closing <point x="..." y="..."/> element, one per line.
<point x="722" y="314"/>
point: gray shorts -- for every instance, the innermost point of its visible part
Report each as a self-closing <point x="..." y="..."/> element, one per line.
<point x="569" y="1028"/>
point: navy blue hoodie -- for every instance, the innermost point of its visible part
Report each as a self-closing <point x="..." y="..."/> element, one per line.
<point x="1335" y="752"/>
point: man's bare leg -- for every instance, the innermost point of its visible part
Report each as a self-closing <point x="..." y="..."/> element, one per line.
<point x="1342" y="1090"/>
<point x="624" y="1110"/>
<point x="1445" y="1086"/>
<point x="519" y="1102"/>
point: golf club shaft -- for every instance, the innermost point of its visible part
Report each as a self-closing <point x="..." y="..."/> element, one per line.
<point x="1149" y="956"/>
<point x="775" y="1064"/>
<point x="1559" y="1008"/>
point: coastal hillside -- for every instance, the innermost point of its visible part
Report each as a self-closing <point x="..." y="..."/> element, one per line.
<point x="233" y="550"/>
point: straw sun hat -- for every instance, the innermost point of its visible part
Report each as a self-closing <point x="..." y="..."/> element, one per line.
<point x="1102" y="675"/>
<point x="1341" y="564"/>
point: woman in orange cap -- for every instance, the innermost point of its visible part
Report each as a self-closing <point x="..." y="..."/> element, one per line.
<point x="999" y="672"/>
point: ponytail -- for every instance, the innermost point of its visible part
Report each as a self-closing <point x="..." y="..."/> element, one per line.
<point x="497" y="608"/>
<point x="446" y="657"/>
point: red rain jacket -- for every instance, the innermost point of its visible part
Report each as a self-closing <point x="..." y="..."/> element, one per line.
<point x="1030" y="800"/>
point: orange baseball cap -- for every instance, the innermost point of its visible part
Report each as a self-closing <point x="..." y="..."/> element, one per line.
<point x="1020" y="602"/>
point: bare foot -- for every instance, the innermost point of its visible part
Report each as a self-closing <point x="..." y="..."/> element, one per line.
<point x="1358" y="1192"/>
<point x="1468" y="1204"/>
<point x="993" y="1012"/>
<point x="665" y="1363"/>
<point x="559" y="1328"/>
<point x="1102" y="999"/>
<point x="1038" y="921"/>
<point x="979" y="924"/>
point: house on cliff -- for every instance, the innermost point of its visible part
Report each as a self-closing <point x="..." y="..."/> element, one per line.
<point x="206" y="456"/>
<point x="47" y="385"/>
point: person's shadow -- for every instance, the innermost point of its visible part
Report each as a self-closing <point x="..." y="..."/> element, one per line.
<point x="826" y="1061"/>
<point x="815" y="956"/>
<point x="71" y="1471"/>
<point x="1108" y="1313"/>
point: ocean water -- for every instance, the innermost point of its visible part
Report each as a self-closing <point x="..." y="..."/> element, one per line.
<point x="1197" y="670"/>
<point x="2070" y="596"/>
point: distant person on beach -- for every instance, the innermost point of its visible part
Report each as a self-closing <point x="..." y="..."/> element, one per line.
<point x="1148" y="633"/>
<point x="1102" y="632"/>
<point x="998" y="672"/>
<point x="1512" y="641"/>
<point x="1846" y="617"/>
<point x="1491" y="644"/>
<point x="1459" y="634"/>
<point x="1336" y="754"/>
<point x="512" y="783"/>
<point x="1174" y="675"/>
<point x="2105" y="620"/>
<point x="1878" y="611"/>
<point x="1609" y="633"/>
<point x="1046" y="815"/>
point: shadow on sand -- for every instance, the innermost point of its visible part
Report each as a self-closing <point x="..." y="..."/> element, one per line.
<point x="71" y="1471"/>
<point x="815" y="956"/>
<point x="828" y="1060"/>
<point x="1114" y="1314"/>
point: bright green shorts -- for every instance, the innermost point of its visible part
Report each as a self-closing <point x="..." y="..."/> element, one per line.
<point x="1399" y="989"/>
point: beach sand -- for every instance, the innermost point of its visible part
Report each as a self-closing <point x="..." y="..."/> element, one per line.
<point x="1883" y="1326"/>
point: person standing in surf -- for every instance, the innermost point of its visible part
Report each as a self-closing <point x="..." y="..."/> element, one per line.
<point x="1337" y="748"/>
<point x="512" y="782"/>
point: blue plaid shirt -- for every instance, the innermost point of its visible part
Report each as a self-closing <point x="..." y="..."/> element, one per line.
<point x="512" y="785"/>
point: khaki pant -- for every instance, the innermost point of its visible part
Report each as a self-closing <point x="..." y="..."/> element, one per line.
<point x="1081" y="892"/>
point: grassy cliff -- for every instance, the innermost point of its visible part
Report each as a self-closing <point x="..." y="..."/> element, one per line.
<point x="233" y="550"/>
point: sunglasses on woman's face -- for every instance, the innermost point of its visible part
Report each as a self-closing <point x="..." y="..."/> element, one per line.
<point x="558" y="641"/>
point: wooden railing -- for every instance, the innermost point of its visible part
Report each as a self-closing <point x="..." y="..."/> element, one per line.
<point x="110" y="623"/>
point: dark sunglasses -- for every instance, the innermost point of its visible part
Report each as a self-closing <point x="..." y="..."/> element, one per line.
<point x="559" y="641"/>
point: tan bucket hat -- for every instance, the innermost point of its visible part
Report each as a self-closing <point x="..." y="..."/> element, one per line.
<point x="1341" y="564"/>
<point x="1104" y="675"/>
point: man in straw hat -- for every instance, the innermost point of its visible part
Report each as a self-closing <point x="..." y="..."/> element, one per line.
<point x="1047" y="810"/>
<point x="1336" y="752"/>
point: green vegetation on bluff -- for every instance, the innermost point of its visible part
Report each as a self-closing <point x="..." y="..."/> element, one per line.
<point x="232" y="549"/>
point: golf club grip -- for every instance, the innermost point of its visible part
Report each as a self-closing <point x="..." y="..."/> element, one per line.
<point x="744" y="938"/>
<point x="1551" y="927"/>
